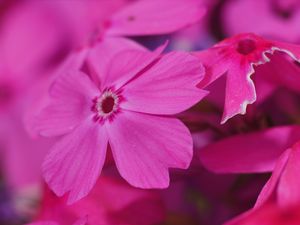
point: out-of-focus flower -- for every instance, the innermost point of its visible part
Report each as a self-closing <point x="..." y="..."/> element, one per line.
<point x="280" y="191"/>
<point x="24" y="60"/>
<point x="110" y="203"/>
<point x="129" y="98"/>
<point x="272" y="18"/>
<point x="236" y="58"/>
<point x="154" y="17"/>
<point x="249" y="153"/>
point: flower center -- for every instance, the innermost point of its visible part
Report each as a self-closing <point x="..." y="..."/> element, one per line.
<point x="106" y="105"/>
<point x="246" y="46"/>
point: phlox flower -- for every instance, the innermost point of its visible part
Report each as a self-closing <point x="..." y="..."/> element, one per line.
<point x="238" y="58"/>
<point x="127" y="101"/>
<point x="112" y="202"/>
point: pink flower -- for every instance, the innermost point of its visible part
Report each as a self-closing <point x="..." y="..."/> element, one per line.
<point x="111" y="203"/>
<point x="128" y="103"/>
<point x="237" y="58"/>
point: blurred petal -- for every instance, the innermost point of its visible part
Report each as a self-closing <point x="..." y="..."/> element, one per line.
<point x="289" y="183"/>
<point x="270" y="187"/>
<point x="149" y="17"/>
<point x="248" y="153"/>
<point x="271" y="18"/>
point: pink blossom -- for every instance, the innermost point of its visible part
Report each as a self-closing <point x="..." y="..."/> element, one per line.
<point x="237" y="58"/>
<point x="129" y="102"/>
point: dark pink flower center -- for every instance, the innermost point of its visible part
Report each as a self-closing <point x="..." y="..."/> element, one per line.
<point x="106" y="105"/>
<point x="246" y="46"/>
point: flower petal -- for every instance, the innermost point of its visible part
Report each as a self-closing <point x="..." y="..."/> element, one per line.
<point x="288" y="187"/>
<point x="240" y="91"/>
<point x="101" y="54"/>
<point x="270" y="187"/>
<point x="74" y="163"/>
<point x="39" y="95"/>
<point x="155" y="17"/>
<point x="145" y="146"/>
<point x="127" y="64"/>
<point x="283" y="69"/>
<point x="248" y="153"/>
<point x="168" y="87"/>
<point x="71" y="100"/>
<point x="291" y="49"/>
<point x="213" y="64"/>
